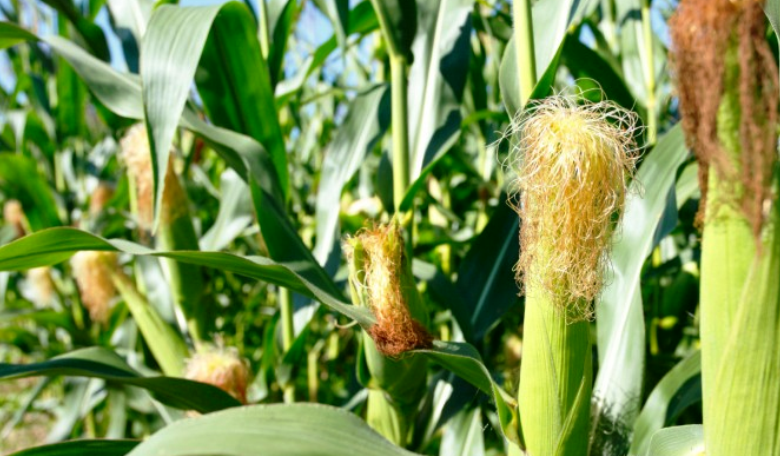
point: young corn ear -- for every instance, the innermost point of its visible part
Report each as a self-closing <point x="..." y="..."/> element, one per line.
<point x="175" y="232"/>
<point x="730" y="124"/>
<point x="93" y="271"/>
<point x="100" y="197"/>
<point x="222" y="368"/>
<point x="572" y="162"/>
<point x="41" y="286"/>
<point x="13" y="214"/>
<point x="381" y="280"/>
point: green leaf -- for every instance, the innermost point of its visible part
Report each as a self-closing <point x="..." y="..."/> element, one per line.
<point x="552" y="20"/>
<point x="285" y="245"/>
<point x="234" y="83"/>
<point x="121" y="93"/>
<point x="170" y="53"/>
<point x="687" y="186"/>
<point x="92" y="33"/>
<point x="678" y="441"/>
<point x="279" y="430"/>
<point x="53" y="246"/>
<point x="11" y="35"/>
<point x="654" y="414"/>
<point x="464" y="361"/>
<point x="20" y="179"/>
<point x="165" y="343"/>
<point x="437" y="79"/>
<point x="621" y="327"/>
<point x="95" y="447"/>
<point x="366" y="122"/>
<point x="463" y="435"/>
<point x="281" y="16"/>
<point x="97" y="362"/>
<point x="485" y="278"/>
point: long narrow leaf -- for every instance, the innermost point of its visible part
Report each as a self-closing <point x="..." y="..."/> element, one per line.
<point x="97" y="362"/>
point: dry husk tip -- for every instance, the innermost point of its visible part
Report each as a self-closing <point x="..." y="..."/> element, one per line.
<point x="378" y="259"/>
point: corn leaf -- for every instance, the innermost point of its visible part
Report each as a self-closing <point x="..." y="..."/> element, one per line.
<point x="621" y="327"/>
<point x="96" y="447"/>
<point x="437" y="79"/>
<point x="280" y="430"/>
<point x="97" y="362"/>
<point x="656" y="409"/>
<point x="168" y="67"/>
<point x="366" y="122"/>
<point x="486" y="282"/>
<point x="678" y="441"/>
<point x="55" y="245"/>
<point x="234" y="82"/>
<point x="464" y="361"/>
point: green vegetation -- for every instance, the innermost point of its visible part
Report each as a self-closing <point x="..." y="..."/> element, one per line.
<point x="389" y="227"/>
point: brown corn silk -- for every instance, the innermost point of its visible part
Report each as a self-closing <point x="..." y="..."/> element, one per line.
<point x="572" y="162"/>
<point x="395" y="330"/>
<point x="701" y="32"/>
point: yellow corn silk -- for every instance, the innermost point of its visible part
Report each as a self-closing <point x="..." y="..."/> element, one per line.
<point x="572" y="161"/>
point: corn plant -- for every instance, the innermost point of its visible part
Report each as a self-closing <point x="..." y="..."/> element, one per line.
<point x="389" y="227"/>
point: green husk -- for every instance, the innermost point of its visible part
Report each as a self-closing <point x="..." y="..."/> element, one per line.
<point x="398" y="383"/>
<point x="556" y="378"/>
<point x="740" y="310"/>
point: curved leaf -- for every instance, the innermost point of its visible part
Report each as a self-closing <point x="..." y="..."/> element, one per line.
<point x="678" y="441"/>
<point x="279" y="430"/>
<point x="437" y="79"/>
<point x="654" y="413"/>
<point x="97" y="362"/>
<point x="121" y="93"/>
<point x="621" y="327"/>
<point x="97" y="447"/>
<point x="234" y="83"/>
<point x="168" y="63"/>
<point x="55" y="245"/>
<point x="366" y="122"/>
<point x="464" y="361"/>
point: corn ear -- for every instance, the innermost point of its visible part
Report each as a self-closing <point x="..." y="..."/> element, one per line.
<point x="740" y="310"/>
<point x="381" y="280"/>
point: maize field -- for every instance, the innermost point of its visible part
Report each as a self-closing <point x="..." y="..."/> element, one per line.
<point x="389" y="227"/>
